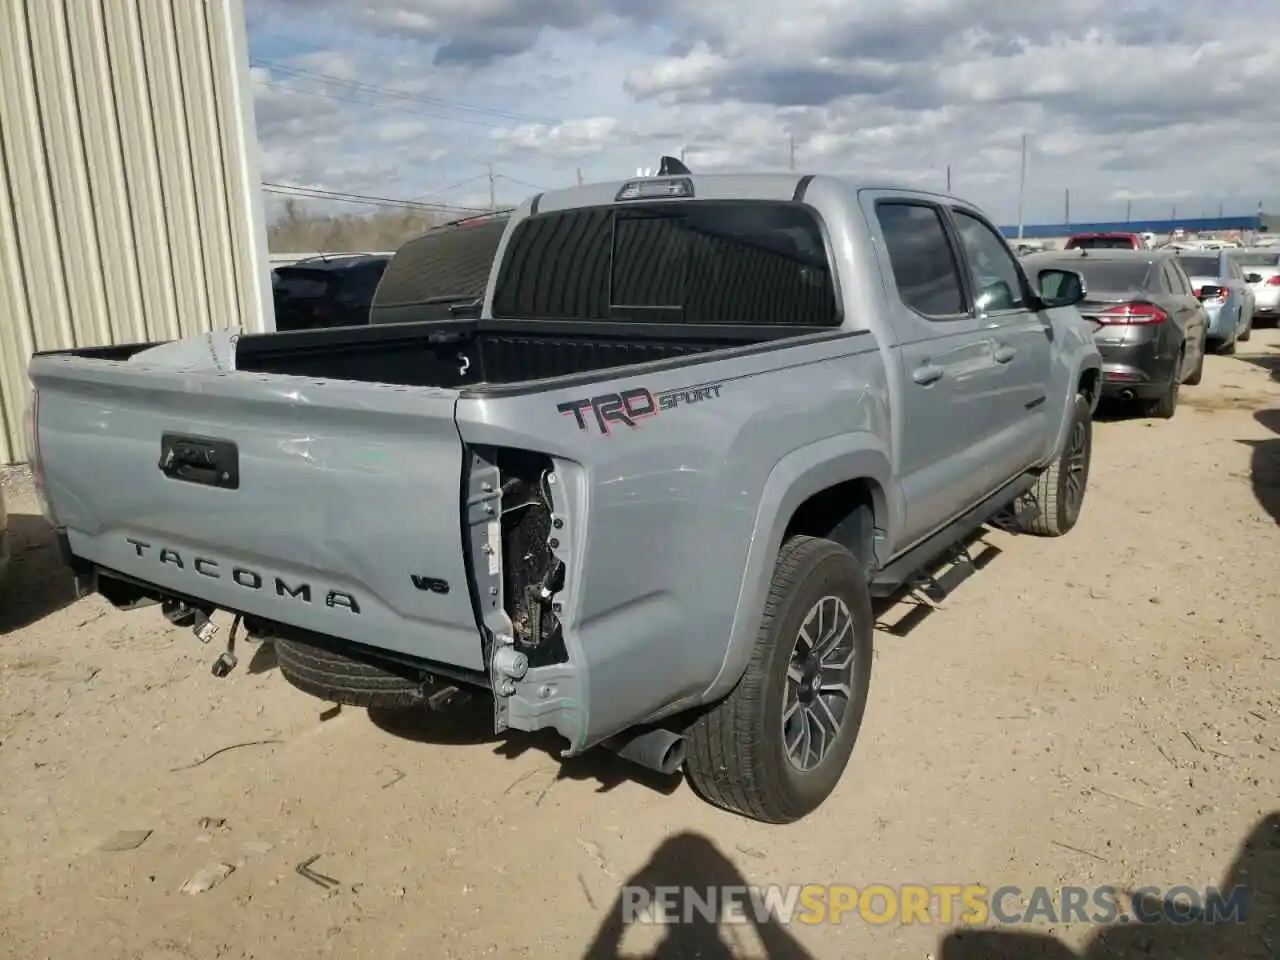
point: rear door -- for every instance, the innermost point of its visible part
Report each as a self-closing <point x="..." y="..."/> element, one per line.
<point x="1017" y="411"/>
<point x="947" y="364"/>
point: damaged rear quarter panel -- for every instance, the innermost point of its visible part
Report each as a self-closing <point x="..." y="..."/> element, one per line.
<point x="661" y="477"/>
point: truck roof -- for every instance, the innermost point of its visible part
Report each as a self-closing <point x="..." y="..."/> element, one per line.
<point x="706" y="186"/>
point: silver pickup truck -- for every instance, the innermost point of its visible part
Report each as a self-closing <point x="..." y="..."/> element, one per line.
<point x="644" y="495"/>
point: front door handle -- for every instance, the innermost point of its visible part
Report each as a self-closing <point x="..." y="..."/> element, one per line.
<point x="926" y="374"/>
<point x="1005" y="354"/>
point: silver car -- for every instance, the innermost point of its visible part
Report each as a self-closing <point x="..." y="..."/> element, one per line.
<point x="1220" y="285"/>
<point x="1261" y="266"/>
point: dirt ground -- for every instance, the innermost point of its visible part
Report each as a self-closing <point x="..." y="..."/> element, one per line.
<point x="1103" y="708"/>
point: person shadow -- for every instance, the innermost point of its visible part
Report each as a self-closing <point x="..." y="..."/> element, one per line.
<point x="688" y="860"/>
<point x="1254" y="934"/>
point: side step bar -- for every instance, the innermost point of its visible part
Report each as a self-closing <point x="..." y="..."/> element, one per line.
<point x="905" y="570"/>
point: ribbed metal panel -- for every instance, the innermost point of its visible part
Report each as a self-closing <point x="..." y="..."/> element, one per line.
<point x="129" y="199"/>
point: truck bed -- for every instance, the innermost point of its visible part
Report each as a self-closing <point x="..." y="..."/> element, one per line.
<point x="471" y="355"/>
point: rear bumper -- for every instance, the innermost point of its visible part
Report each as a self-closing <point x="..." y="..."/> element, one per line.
<point x="1140" y="370"/>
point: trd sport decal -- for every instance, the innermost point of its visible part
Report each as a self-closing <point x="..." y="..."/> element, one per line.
<point x="629" y="407"/>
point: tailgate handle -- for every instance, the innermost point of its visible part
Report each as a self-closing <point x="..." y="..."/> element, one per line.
<point x="203" y="460"/>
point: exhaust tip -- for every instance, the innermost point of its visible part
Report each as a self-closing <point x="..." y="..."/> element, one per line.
<point x="673" y="758"/>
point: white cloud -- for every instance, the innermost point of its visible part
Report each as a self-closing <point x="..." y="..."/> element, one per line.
<point x="1129" y="103"/>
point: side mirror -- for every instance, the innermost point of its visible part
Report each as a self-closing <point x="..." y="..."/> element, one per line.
<point x="1060" y="288"/>
<point x="1253" y="278"/>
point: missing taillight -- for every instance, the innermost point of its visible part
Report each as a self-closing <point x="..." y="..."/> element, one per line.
<point x="533" y="575"/>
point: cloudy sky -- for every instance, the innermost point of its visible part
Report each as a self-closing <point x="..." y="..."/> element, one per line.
<point x="1157" y="105"/>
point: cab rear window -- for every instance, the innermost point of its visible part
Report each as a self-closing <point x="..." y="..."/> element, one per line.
<point x="744" y="263"/>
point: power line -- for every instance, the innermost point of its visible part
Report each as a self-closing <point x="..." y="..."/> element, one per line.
<point x="362" y="86"/>
<point x="317" y="193"/>
<point x="522" y="183"/>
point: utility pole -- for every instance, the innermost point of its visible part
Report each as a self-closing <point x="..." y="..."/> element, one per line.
<point x="682" y="150"/>
<point x="1066" y="207"/>
<point x="1022" y="184"/>
<point x="579" y="176"/>
<point x="791" y="140"/>
<point x="493" y="196"/>
<point x="1219" y="211"/>
<point x="1128" y="211"/>
<point x="948" y="178"/>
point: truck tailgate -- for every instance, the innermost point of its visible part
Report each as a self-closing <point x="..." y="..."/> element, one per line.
<point x="329" y="506"/>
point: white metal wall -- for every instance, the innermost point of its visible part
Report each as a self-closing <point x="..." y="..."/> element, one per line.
<point x="130" y="206"/>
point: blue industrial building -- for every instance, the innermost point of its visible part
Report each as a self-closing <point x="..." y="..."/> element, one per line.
<point x="1158" y="227"/>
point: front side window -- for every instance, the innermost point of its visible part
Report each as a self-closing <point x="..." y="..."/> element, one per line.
<point x="751" y="263"/>
<point x="996" y="281"/>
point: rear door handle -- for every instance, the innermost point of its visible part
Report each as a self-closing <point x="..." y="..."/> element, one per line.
<point x="926" y="374"/>
<point x="1005" y="354"/>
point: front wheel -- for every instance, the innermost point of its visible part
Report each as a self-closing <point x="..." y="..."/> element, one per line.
<point x="776" y="747"/>
<point x="1059" y="490"/>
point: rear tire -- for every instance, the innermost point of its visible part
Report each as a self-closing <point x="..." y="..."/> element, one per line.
<point x="1248" y="332"/>
<point x="751" y="752"/>
<point x="340" y="679"/>
<point x="1166" y="405"/>
<point x="1198" y="373"/>
<point x="1059" y="491"/>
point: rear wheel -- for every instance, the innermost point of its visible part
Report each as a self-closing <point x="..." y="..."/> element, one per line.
<point x="1060" y="489"/>
<point x="776" y="747"/>
<point x="1248" y="332"/>
<point x="1198" y="373"/>
<point x="1166" y="405"/>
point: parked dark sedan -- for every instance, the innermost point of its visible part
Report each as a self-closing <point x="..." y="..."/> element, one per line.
<point x="331" y="291"/>
<point x="1148" y="323"/>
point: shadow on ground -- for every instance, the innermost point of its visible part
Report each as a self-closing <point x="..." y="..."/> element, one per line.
<point x="1267" y="361"/>
<point x="1264" y="464"/>
<point x="690" y="861"/>
<point x="37" y="582"/>
<point x="467" y="720"/>
<point x="1178" y="933"/>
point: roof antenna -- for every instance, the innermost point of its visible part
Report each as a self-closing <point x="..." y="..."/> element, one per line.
<point x="671" y="167"/>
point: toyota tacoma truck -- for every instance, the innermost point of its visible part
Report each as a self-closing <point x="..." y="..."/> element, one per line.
<point x="644" y="495"/>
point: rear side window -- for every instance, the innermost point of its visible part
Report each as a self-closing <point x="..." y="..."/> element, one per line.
<point x="301" y="284"/>
<point x="1201" y="266"/>
<point x="924" y="265"/>
<point x="360" y="283"/>
<point x="749" y="263"/>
